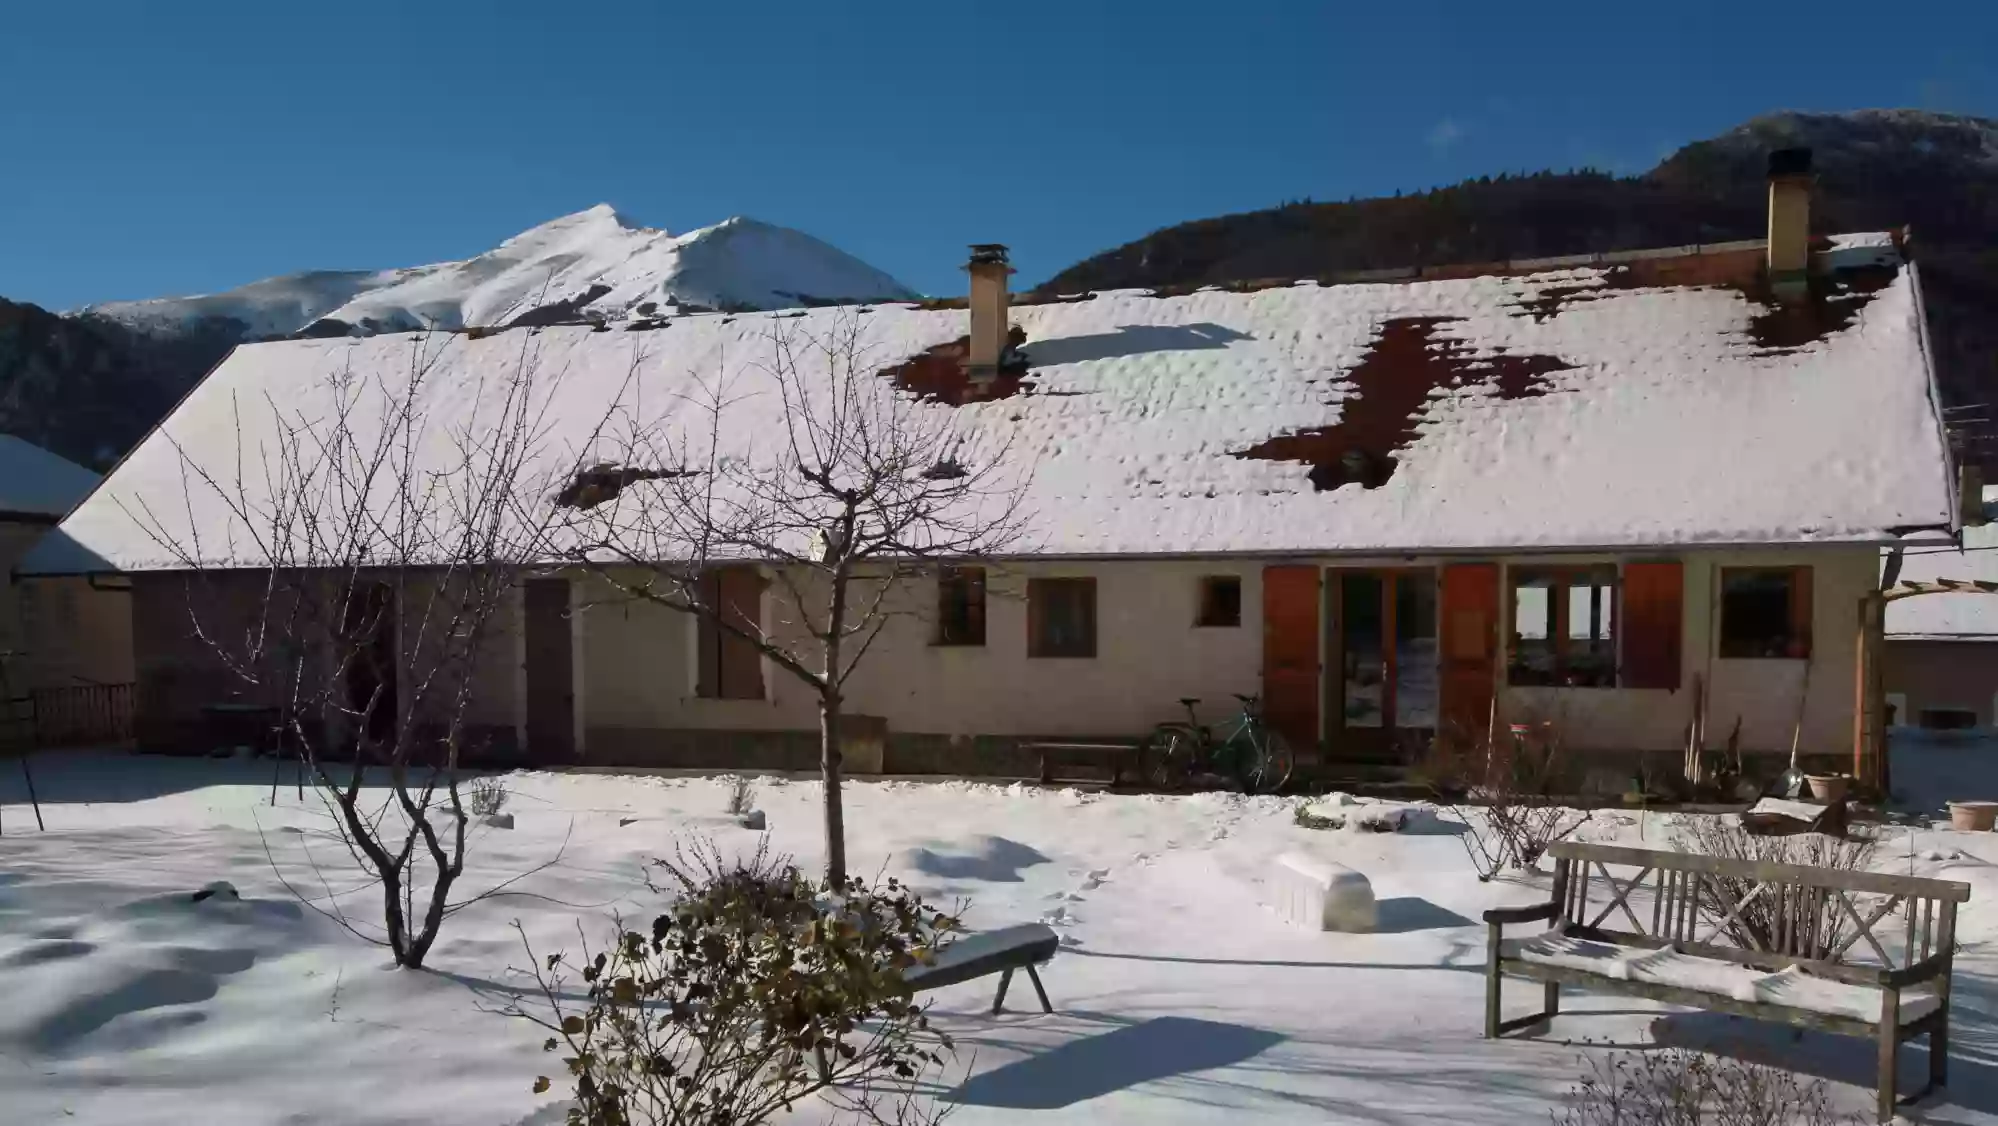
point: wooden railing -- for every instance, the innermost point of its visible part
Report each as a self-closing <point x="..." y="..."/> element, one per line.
<point x="80" y="715"/>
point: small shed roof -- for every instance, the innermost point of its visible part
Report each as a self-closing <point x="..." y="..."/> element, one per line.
<point x="37" y="483"/>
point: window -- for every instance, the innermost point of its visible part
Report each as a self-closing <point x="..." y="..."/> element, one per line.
<point x="1948" y="719"/>
<point x="1563" y="627"/>
<point x="961" y="606"/>
<point x="1061" y="617"/>
<point x="730" y="667"/>
<point x="1766" y="612"/>
<point x="1220" y="601"/>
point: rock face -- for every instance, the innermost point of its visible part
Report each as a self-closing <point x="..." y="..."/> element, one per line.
<point x="1876" y="170"/>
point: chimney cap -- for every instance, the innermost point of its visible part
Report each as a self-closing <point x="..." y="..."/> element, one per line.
<point x="1789" y="163"/>
<point x="988" y="254"/>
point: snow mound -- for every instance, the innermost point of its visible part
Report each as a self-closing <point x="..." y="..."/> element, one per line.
<point x="595" y="264"/>
<point x="983" y="859"/>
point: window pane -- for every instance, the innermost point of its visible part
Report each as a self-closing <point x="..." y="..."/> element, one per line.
<point x="1756" y="614"/>
<point x="961" y="606"/>
<point x="1589" y="658"/>
<point x="1360" y="627"/>
<point x="1530" y="657"/>
<point x="1064" y="613"/>
<point x="1415" y="650"/>
<point x="1220" y="601"/>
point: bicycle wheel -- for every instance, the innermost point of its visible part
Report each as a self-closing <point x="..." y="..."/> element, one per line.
<point x="1169" y="759"/>
<point x="1263" y="761"/>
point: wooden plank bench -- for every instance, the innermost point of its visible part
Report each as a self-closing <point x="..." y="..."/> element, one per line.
<point x="1001" y="952"/>
<point x="1801" y="962"/>
<point x="1120" y="760"/>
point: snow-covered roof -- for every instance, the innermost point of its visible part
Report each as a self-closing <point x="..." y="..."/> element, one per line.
<point x="1606" y="406"/>
<point x="35" y="482"/>
<point x="1950" y="617"/>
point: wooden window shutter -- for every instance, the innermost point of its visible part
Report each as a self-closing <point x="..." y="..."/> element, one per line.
<point x="974" y="608"/>
<point x="1037" y="612"/>
<point x="1800" y="612"/>
<point x="707" y="639"/>
<point x="740" y="590"/>
<point x="1654" y="624"/>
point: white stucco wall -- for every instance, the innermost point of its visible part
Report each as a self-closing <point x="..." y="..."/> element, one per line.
<point x="636" y="663"/>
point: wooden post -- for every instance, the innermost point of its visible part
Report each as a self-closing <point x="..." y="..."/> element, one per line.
<point x="1869" y="758"/>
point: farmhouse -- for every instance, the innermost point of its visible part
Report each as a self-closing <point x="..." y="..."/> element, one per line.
<point x="1613" y="492"/>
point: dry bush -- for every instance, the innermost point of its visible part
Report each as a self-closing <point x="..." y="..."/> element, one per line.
<point x="486" y="796"/>
<point x="1754" y="925"/>
<point x="758" y="990"/>
<point x="1676" y="1087"/>
<point x="1513" y="782"/>
<point x="741" y="796"/>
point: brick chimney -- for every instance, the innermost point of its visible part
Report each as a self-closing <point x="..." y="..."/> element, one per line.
<point x="1790" y="223"/>
<point x="988" y="269"/>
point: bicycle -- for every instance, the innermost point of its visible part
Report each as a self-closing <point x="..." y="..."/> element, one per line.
<point x="1257" y="756"/>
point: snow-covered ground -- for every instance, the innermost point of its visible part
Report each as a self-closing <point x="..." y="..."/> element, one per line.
<point x="596" y="260"/>
<point x="1181" y="996"/>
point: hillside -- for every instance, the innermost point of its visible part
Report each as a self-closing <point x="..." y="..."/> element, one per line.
<point x="88" y="385"/>
<point x="1877" y="169"/>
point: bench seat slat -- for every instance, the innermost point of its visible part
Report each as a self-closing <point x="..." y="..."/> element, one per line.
<point x="1616" y="964"/>
<point x="988" y="952"/>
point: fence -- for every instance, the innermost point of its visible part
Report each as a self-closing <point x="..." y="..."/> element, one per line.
<point x="75" y="716"/>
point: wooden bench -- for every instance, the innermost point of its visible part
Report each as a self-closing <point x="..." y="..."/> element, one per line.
<point x="999" y="952"/>
<point x="1776" y="942"/>
<point x="1119" y="759"/>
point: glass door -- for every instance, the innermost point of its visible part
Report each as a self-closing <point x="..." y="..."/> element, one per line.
<point x="1384" y="632"/>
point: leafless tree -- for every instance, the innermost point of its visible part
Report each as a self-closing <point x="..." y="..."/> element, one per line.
<point x="349" y="572"/>
<point x="839" y="489"/>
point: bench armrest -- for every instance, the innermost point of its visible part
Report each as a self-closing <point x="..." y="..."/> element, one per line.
<point x="1928" y="969"/>
<point x="1500" y="916"/>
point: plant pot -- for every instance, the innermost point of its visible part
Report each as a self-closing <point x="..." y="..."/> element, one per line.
<point x="1973" y="816"/>
<point x="1828" y="788"/>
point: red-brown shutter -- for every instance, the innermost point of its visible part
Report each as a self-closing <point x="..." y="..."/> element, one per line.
<point x="1653" y="624"/>
<point x="1470" y="622"/>
<point x="741" y="663"/>
<point x="1291" y="628"/>
<point x="1800" y="612"/>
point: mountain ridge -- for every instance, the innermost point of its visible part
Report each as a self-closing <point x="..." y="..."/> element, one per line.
<point x="593" y="263"/>
<point x="89" y="383"/>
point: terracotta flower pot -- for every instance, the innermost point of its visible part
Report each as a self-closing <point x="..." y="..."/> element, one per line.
<point x="1973" y="816"/>
<point x="1827" y="788"/>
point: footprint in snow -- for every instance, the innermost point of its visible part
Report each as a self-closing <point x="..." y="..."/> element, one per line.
<point x="1059" y="917"/>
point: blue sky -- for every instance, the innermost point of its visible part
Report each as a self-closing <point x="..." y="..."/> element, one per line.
<point x="157" y="148"/>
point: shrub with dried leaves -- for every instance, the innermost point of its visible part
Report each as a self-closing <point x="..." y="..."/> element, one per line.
<point x="1754" y="924"/>
<point x="1676" y="1087"/>
<point x="759" y="989"/>
<point x="1511" y="786"/>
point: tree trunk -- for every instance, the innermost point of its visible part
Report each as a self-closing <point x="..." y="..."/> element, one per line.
<point x="829" y="746"/>
<point x="829" y="770"/>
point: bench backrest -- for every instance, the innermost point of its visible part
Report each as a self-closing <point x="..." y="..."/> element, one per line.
<point x="1754" y="911"/>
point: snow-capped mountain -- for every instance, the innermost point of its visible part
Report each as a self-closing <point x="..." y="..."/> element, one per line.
<point x="595" y="264"/>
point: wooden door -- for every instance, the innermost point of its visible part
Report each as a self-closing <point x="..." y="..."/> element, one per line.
<point x="1470" y="627"/>
<point x="551" y="687"/>
<point x="1291" y="627"/>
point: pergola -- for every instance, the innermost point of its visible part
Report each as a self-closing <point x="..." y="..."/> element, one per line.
<point x="1869" y="725"/>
